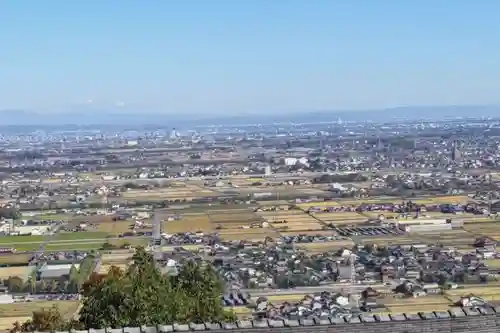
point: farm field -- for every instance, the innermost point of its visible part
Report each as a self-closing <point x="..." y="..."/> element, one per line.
<point x="273" y="203"/>
<point x="14" y="258"/>
<point x="187" y="192"/>
<point x="51" y="217"/>
<point x="389" y="240"/>
<point x="293" y="220"/>
<point x="115" y="227"/>
<point x="459" y="199"/>
<point x="457" y="238"/>
<point x="491" y="230"/>
<point x="213" y="221"/>
<point x="284" y="298"/>
<point x="375" y="214"/>
<point x="6" y="272"/>
<point x="188" y="247"/>
<point x="414" y="305"/>
<point x="413" y="301"/>
<point x="10" y="313"/>
<point x="341" y="218"/>
<point x="6" y="322"/>
<point x="62" y="246"/>
<point x="477" y="291"/>
<point x="190" y="223"/>
<point x="133" y="241"/>
<point x="105" y="268"/>
<point x="60" y="237"/>
<point x="307" y="205"/>
<point x="448" y="238"/>
<point x="493" y="263"/>
<point x="310" y="233"/>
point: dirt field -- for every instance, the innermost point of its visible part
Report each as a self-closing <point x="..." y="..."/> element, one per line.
<point x="309" y="233"/>
<point x="390" y="301"/>
<point x="449" y="238"/>
<point x="23" y="310"/>
<point x="460" y="239"/>
<point x="105" y="268"/>
<point x="484" y="229"/>
<point x="115" y="227"/>
<point x="292" y="220"/>
<point x="341" y="218"/>
<point x="459" y="199"/>
<point x="14" y="258"/>
<point x="212" y="220"/>
<point x="307" y="205"/>
<point x="6" y="272"/>
<point x="190" y="223"/>
<point x="414" y="309"/>
<point x="6" y="323"/>
<point x="189" y="192"/>
<point x="477" y="291"/>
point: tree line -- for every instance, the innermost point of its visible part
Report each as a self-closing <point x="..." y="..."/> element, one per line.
<point x="140" y="295"/>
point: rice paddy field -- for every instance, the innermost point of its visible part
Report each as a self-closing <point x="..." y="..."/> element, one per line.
<point x="449" y="238"/>
<point x="231" y="224"/>
<point x="340" y="218"/>
<point x="7" y="322"/>
<point x="307" y="205"/>
<point x="292" y="220"/>
<point x="60" y="241"/>
<point x="491" y="230"/>
<point x="189" y="223"/>
<point x="52" y="217"/>
<point x="14" y="258"/>
<point x="65" y="236"/>
<point x="10" y="313"/>
<point x="429" y="300"/>
<point x="105" y="268"/>
<point x="489" y="292"/>
<point x="6" y="272"/>
<point x="310" y="233"/>
<point x="115" y="228"/>
<point x="459" y="199"/>
<point x="186" y="192"/>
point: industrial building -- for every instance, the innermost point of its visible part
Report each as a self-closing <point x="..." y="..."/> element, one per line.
<point x="52" y="272"/>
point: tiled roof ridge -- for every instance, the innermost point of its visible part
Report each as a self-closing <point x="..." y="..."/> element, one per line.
<point x="454" y="320"/>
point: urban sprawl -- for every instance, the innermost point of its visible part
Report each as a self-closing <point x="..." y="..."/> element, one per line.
<point x="309" y="225"/>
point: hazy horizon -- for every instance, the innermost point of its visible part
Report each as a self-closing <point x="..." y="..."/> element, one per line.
<point x="220" y="56"/>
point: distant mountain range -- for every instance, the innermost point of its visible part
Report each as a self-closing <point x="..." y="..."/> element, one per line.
<point x="115" y="117"/>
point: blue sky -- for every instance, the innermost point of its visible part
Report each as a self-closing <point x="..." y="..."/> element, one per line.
<point x="251" y="56"/>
